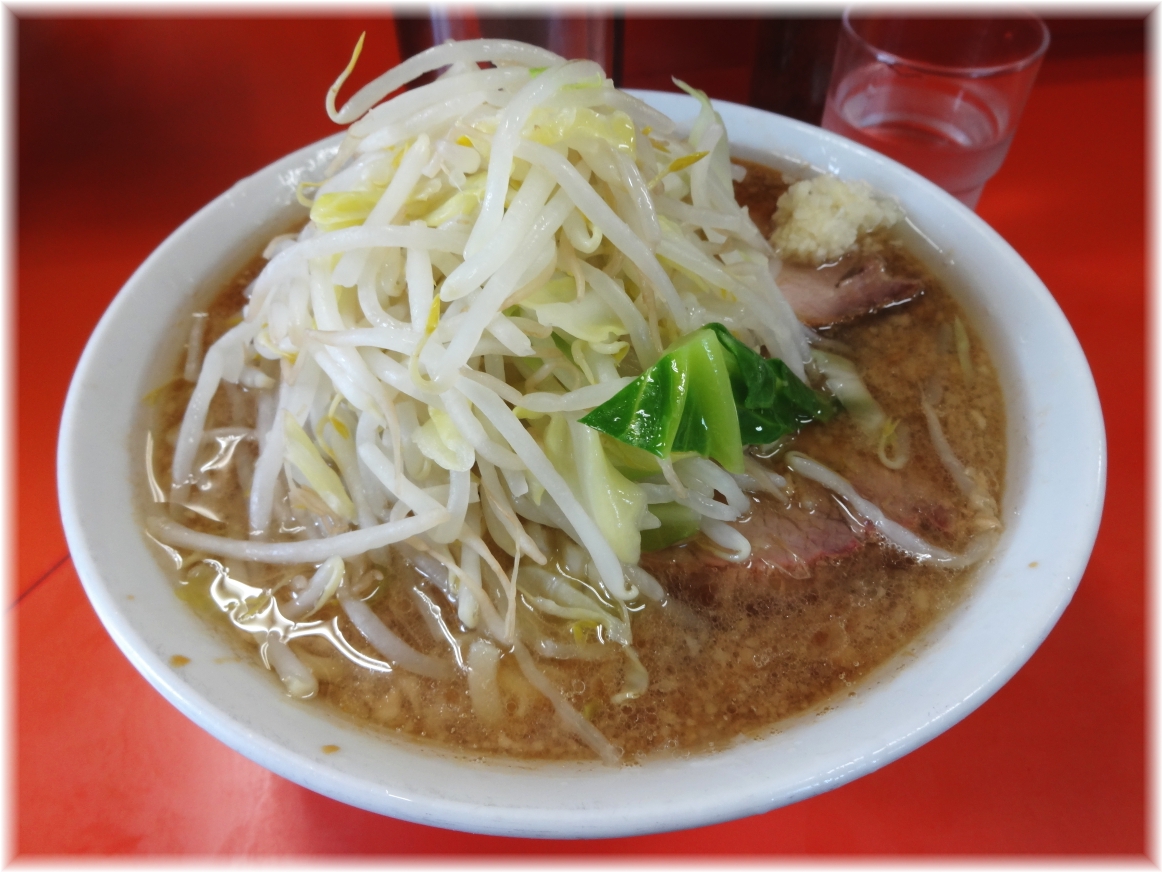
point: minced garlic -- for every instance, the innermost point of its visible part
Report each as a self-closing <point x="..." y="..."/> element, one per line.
<point x="819" y="220"/>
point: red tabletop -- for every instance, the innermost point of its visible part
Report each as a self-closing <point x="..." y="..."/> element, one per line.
<point x="127" y="127"/>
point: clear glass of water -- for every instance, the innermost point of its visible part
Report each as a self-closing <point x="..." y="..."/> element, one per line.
<point x="941" y="95"/>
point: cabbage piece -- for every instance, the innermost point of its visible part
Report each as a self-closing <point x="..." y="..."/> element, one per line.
<point x="772" y="402"/>
<point x="684" y="402"/>
<point x="305" y="458"/>
<point x="677" y="524"/>
<point x="615" y="503"/>
<point x="589" y="318"/>
<point x="340" y="209"/>
<point x="561" y="288"/>
<point x="483" y="688"/>
<point x="632" y="462"/>
<point x="463" y="202"/>
<point x="550" y="126"/>
<point x="441" y="442"/>
<point x="710" y="394"/>
<point x="843" y="380"/>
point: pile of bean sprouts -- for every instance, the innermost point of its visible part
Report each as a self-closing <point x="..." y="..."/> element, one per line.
<point x="401" y="350"/>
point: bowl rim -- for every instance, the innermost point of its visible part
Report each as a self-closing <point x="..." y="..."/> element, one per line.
<point x="574" y="800"/>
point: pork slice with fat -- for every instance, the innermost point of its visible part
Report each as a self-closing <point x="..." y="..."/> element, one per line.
<point x="786" y="541"/>
<point x="855" y="285"/>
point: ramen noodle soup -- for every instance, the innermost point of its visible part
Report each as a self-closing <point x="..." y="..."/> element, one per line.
<point x="552" y="433"/>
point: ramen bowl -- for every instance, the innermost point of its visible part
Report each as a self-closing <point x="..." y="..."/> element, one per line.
<point x="1051" y="509"/>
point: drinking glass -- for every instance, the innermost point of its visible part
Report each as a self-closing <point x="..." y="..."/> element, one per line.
<point x="941" y="95"/>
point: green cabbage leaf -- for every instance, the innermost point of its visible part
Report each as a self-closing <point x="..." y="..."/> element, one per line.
<point x="710" y="394"/>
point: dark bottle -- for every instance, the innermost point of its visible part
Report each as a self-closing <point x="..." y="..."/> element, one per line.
<point x="792" y="66"/>
<point x="579" y="33"/>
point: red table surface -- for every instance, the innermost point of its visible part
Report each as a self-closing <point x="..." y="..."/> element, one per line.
<point x="127" y="127"/>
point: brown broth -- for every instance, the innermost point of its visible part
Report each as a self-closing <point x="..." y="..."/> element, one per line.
<point x="725" y="659"/>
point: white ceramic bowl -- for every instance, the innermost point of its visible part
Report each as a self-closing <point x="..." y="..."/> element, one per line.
<point x="1052" y="505"/>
